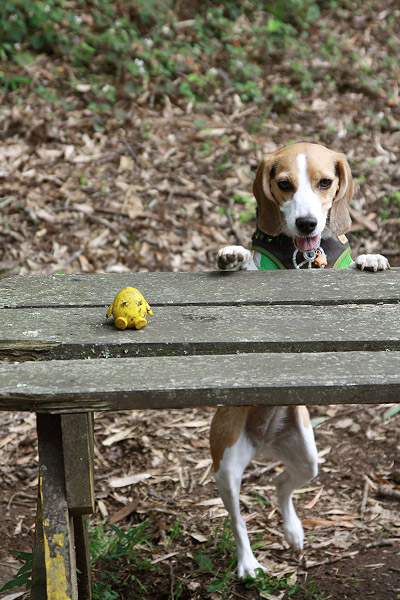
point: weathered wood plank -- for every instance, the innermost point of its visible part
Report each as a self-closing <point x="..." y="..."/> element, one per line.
<point x="61" y="333"/>
<point x="170" y="382"/>
<point x="330" y="286"/>
<point x="77" y="440"/>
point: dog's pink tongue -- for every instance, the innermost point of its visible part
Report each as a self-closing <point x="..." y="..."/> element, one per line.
<point x="307" y="243"/>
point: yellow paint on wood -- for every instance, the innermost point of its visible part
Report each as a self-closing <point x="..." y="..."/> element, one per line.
<point x="56" y="571"/>
<point x="58" y="539"/>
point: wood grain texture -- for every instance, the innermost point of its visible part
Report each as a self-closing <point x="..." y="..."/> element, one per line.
<point x="77" y="441"/>
<point x="65" y="333"/>
<point x="330" y="286"/>
<point x="171" y="382"/>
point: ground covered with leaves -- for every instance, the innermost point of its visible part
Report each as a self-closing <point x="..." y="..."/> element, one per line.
<point x="149" y="166"/>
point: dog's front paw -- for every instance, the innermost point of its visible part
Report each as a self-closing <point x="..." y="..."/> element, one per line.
<point x="372" y="262"/>
<point x="233" y="257"/>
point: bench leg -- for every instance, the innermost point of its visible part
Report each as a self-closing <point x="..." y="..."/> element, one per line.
<point x="77" y="430"/>
<point x="83" y="557"/>
<point x="65" y="498"/>
<point x="54" y="576"/>
<point x="38" y="568"/>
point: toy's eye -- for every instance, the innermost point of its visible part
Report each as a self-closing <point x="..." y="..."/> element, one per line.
<point x="324" y="184"/>
<point x="285" y="185"/>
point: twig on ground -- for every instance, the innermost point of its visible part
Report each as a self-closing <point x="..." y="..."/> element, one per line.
<point x="380" y="543"/>
<point x="364" y="498"/>
<point x="330" y="561"/>
<point x="232" y="225"/>
<point x="395" y="569"/>
<point x="257" y="472"/>
<point x="389" y="492"/>
<point x="155" y="495"/>
<point x="376" y="544"/>
<point x="134" y="155"/>
<point x="172" y="579"/>
<point x="75" y="256"/>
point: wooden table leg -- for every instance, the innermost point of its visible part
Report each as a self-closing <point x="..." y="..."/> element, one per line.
<point x="65" y="499"/>
<point x="54" y="576"/>
<point x="83" y="557"/>
<point x="77" y="431"/>
<point x="38" y="568"/>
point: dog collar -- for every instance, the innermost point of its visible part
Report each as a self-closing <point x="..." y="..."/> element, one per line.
<point x="311" y="258"/>
<point x="280" y="252"/>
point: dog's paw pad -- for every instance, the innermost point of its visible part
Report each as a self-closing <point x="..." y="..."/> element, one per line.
<point x="372" y="262"/>
<point x="233" y="257"/>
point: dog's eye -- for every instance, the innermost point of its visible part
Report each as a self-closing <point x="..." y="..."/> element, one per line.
<point x="285" y="185"/>
<point x="324" y="184"/>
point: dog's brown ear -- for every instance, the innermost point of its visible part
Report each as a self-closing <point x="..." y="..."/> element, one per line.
<point x="340" y="220"/>
<point x="269" y="214"/>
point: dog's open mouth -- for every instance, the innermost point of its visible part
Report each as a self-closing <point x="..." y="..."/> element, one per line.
<point x="307" y="243"/>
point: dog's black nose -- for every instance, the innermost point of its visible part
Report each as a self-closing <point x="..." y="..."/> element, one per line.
<point x="306" y="224"/>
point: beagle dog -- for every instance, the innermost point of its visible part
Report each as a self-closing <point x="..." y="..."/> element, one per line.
<point x="303" y="192"/>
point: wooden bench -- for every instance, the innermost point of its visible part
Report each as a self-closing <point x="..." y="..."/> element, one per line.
<point x="294" y="337"/>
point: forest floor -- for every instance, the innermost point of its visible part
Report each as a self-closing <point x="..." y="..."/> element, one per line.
<point x="161" y="185"/>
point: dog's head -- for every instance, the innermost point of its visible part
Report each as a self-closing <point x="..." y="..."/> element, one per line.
<point x="297" y="187"/>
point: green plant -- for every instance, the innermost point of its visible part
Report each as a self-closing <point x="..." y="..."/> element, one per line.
<point x="266" y="584"/>
<point x="390" y="204"/>
<point x="257" y="499"/>
<point x="283" y="96"/>
<point x="118" y="560"/>
<point x="299" y="12"/>
<point x="13" y="82"/>
<point x="250" y="207"/>
<point x="175" y="531"/>
<point x="144" y="47"/>
<point x="223" y="539"/>
<point x="121" y="561"/>
<point x="302" y="75"/>
<point x="394" y="410"/>
<point x="24" y="575"/>
<point x="220" y="547"/>
<point x="308" y="591"/>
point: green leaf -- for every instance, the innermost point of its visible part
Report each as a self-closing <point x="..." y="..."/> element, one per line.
<point x="317" y="421"/>
<point x="204" y="562"/>
<point x="392" y="411"/>
<point x="215" y="585"/>
<point x="18" y="581"/>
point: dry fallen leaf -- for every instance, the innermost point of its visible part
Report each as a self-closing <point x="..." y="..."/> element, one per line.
<point x="343" y="424"/>
<point x="315" y="499"/>
<point x="125" y="511"/>
<point x="316" y="523"/>
<point x="129" y="480"/>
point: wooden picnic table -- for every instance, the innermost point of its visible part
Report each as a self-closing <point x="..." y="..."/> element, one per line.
<point x="268" y="337"/>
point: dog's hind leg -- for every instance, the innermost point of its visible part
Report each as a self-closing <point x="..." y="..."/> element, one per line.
<point x="295" y="447"/>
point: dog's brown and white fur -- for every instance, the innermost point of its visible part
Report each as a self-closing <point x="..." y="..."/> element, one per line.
<point x="302" y="191"/>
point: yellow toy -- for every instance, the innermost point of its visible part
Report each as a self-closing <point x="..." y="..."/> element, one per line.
<point x="129" y="309"/>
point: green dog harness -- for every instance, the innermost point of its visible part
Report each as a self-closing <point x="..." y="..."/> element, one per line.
<point x="278" y="252"/>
